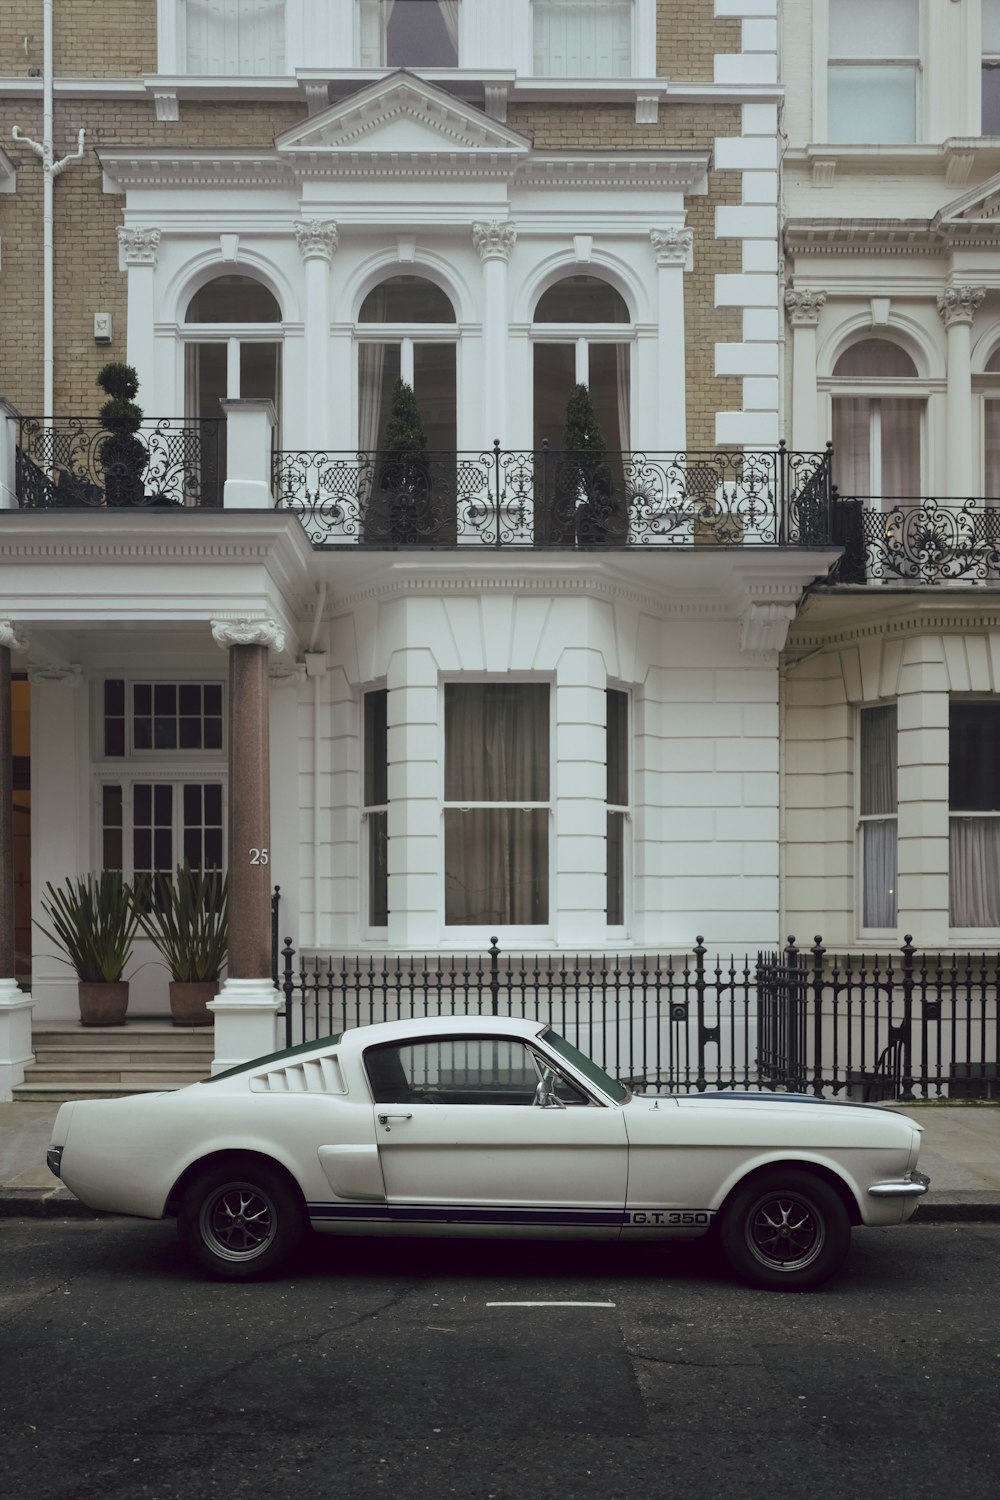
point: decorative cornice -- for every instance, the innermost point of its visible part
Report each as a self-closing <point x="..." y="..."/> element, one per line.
<point x="11" y="637"/>
<point x="247" y="632"/>
<point x="317" y="238"/>
<point x="138" y="246"/>
<point x="674" y="246"/>
<point x="287" y="673"/>
<point x="958" y="304"/>
<point x="494" y="240"/>
<point x="803" y="306"/>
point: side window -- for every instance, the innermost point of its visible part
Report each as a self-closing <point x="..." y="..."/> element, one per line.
<point x="877" y="816"/>
<point x="874" y="71"/>
<point x="974" y="808"/>
<point x="462" y="1070"/>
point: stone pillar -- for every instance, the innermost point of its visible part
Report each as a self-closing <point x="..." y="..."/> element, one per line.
<point x="802" y="308"/>
<point x="674" y="248"/>
<point x="579" y="848"/>
<point x="250" y="425"/>
<point x="494" y="241"/>
<point x="9" y="416"/>
<point x="138" y="249"/>
<point x="957" y="306"/>
<point x="15" y="1005"/>
<point x="922" y="706"/>
<point x="248" y="1002"/>
<point x="317" y="240"/>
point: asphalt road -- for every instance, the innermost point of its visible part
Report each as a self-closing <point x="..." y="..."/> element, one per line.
<point x="411" y="1370"/>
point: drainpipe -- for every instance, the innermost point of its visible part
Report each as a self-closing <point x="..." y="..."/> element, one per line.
<point x="50" y="171"/>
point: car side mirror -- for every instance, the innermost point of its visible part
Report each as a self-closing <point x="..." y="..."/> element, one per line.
<point x="545" y="1092"/>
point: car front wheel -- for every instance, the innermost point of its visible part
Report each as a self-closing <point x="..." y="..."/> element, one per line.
<point x="785" y="1230"/>
<point x="240" y="1220"/>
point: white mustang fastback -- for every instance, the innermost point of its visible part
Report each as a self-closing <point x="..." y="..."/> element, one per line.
<point x="486" y="1126"/>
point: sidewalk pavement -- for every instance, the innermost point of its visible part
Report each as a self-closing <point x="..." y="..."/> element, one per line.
<point x="960" y="1154"/>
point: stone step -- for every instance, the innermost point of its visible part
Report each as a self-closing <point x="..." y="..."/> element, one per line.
<point x="46" y="1056"/>
<point x="109" y="1062"/>
<point x="114" y="1071"/>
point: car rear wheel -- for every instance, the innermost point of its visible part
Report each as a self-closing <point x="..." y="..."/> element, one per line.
<point x="785" y="1230"/>
<point x="240" y="1220"/>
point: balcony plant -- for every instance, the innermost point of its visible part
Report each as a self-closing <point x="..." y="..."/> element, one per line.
<point x="186" y="918"/>
<point x="93" y="925"/>
<point x="404" y="470"/>
<point x="123" y="456"/>
<point x="582" y="500"/>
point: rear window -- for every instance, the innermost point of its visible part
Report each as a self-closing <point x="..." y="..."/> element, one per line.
<point x="253" y="1064"/>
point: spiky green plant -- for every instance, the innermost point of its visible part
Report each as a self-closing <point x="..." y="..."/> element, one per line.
<point x="186" y="918"/>
<point x="94" y="924"/>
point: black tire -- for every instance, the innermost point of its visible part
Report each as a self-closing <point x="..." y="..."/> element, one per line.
<point x="785" y="1230"/>
<point x="240" y="1220"/>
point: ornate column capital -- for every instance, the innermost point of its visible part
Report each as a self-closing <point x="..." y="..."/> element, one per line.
<point x="317" y="238"/>
<point x="247" y="632"/>
<point x="764" y="625"/>
<point x="11" y="637"/>
<point x="958" y="304"/>
<point x="673" y="246"/>
<point x="494" y="240"/>
<point x="138" y="247"/>
<point x="803" y="306"/>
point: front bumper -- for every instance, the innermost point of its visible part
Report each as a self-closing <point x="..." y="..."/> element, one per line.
<point x="913" y="1185"/>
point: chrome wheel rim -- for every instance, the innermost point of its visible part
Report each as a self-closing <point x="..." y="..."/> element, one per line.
<point x="238" y="1222"/>
<point x="785" y="1232"/>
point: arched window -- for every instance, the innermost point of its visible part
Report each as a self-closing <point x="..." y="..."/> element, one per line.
<point x="877" y="424"/>
<point x="391" y="348"/>
<point x="232" y="349"/>
<point x="579" y="339"/>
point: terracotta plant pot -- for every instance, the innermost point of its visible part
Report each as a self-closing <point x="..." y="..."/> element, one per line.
<point x="189" y="1001"/>
<point x="102" y="1003"/>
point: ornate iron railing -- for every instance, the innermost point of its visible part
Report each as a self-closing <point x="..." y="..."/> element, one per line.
<point x="553" y="498"/>
<point x="917" y="541"/>
<point x="72" y="463"/>
<point x="862" y="1027"/>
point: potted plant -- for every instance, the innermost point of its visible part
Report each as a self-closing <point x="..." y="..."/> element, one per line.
<point x="186" y="918"/>
<point x="123" y="455"/>
<point x="583" y="493"/>
<point x="94" y="923"/>
<point x="403" y="486"/>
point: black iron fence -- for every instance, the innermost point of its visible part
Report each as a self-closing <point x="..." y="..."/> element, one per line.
<point x="72" y="463"/>
<point x="919" y="540"/>
<point x="803" y="1020"/>
<point x="553" y="498"/>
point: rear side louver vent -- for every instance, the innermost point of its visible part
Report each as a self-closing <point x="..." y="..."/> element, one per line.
<point x="317" y="1075"/>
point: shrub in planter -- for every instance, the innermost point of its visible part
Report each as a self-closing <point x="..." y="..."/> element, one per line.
<point x="583" y="500"/>
<point x="93" y="925"/>
<point x="402" y="486"/>
<point x="123" y="456"/>
<point x="186" y="918"/>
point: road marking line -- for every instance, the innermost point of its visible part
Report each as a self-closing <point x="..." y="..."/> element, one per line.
<point x="551" y="1304"/>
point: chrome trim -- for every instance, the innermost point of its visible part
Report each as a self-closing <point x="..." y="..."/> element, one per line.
<point x="915" y="1186"/>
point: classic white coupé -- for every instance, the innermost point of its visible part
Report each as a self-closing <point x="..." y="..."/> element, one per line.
<point x="492" y="1127"/>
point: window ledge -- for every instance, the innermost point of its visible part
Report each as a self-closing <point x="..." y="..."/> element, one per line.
<point x="957" y="156"/>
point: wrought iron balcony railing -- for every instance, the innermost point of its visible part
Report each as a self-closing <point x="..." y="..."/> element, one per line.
<point x="917" y="541"/>
<point x="71" y="463"/>
<point x="558" y="499"/>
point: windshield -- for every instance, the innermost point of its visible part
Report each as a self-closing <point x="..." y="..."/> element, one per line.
<point x="586" y="1066"/>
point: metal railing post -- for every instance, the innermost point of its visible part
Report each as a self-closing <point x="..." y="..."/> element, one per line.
<point x="494" y="977"/>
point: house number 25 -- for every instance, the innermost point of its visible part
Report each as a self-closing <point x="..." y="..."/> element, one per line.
<point x="260" y="856"/>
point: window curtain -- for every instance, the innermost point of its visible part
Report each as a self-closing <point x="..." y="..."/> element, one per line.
<point x="624" y="396"/>
<point x="449" y="14"/>
<point x="245" y="42"/>
<point x="373" y="20"/>
<point x="899" y="420"/>
<point x="974" y="872"/>
<point x="991" y="443"/>
<point x="878" y="806"/>
<point x="852" y="445"/>
<point x="582" y="38"/>
<point x="496" y="750"/>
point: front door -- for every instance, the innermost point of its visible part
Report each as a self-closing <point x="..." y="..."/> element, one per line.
<point x="464" y="1140"/>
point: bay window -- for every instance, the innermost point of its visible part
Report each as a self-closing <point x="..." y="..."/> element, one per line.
<point x="496" y="803"/>
<point x="878" y="816"/>
<point x="873" y="71"/>
<point x="974" y="807"/>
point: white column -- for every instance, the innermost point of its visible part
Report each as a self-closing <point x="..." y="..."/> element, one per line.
<point x="494" y="241"/>
<point x="667" y="429"/>
<point x="957" y="306"/>
<point x="922" y="705"/>
<point x="802" y="308"/>
<point x="137" y="253"/>
<point x="415" y="824"/>
<point x="317" y="240"/>
<point x="250" y="426"/>
<point x="580" y="842"/>
<point x="15" y="1005"/>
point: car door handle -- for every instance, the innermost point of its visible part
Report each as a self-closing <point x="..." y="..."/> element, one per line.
<point x="384" y="1119"/>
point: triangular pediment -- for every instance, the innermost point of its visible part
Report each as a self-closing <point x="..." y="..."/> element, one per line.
<point x="980" y="205"/>
<point x="402" y="116"/>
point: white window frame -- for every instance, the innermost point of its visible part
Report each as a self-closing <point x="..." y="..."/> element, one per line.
<point x="969" y="934"/>
<point x="143" y="757"/>
<point x="513" y="934"/>
<point x="634" y="39"/>
<point x="128" y="777"/>
<point x="822" y="62"/>
<point x="862" y="819"/>
<point x="373" y="932"/>
<point x="367" y="21"/>
<point x="623" y="928"/>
